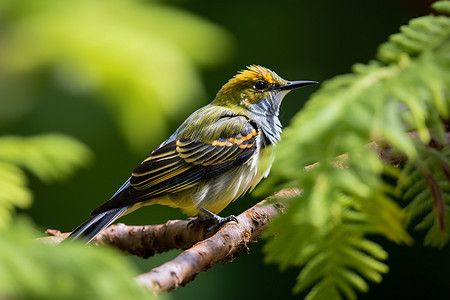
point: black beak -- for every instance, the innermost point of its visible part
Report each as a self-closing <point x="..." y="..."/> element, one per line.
<point x="292" y="85"/>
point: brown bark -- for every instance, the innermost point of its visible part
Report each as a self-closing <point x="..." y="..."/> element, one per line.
<point x="222" y="247"/>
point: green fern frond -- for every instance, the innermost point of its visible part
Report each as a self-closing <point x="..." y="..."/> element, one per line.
<point x="14" y="191"/>
<point x="442" y="6"/>
<point x="326" y="230"/>
<point x="421" y="206"/>
<point x="51" y="157"/>
<point x="424" y="34"/>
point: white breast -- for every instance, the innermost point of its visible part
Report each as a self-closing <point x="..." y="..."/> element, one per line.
<point x="218" y="192"/>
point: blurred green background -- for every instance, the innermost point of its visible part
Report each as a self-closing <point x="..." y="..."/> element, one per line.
<point x="121" y="76"/>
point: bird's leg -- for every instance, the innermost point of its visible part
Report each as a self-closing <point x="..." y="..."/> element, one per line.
<point x="210" y="217"/>
<point x="218" y="220"/>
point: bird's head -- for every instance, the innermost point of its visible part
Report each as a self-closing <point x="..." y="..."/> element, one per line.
<point x="256" y="88"/>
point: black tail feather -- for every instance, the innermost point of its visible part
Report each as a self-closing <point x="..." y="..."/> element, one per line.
<point x="89" y="229"/>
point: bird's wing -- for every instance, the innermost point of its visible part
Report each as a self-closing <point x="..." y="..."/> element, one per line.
<point x="183" y="162"/>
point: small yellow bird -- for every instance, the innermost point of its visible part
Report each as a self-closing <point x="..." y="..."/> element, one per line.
<point x="218" y="154"/>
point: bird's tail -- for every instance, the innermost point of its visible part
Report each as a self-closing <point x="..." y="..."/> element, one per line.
<point x="89" y="229"/>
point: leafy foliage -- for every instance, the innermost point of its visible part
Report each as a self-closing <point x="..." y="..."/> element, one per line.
<point x="33" y="270"/>
<point x="140" y="56"/>
<point x="344" y="198"/>
<point x="51" y="157"/>
<point x="424" y="185"/>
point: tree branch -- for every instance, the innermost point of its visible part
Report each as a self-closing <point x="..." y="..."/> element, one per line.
<point x="146" y="240"/>
<point x="222" y="247"/>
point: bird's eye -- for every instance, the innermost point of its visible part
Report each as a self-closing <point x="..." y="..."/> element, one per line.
<point x="260" y="85"/>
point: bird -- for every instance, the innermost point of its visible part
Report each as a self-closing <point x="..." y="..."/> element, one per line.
<point x="218" y="154"/>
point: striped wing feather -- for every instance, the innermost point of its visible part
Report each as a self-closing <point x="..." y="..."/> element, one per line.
<point x="183" y="163"/>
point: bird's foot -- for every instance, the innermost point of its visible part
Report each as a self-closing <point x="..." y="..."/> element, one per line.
<point x="218" y="220"/>
<point x="210" y="218"/>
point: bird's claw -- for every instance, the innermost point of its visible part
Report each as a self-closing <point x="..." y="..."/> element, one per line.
<point x="211" y="217"/>
<point x="219" y="221"/>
